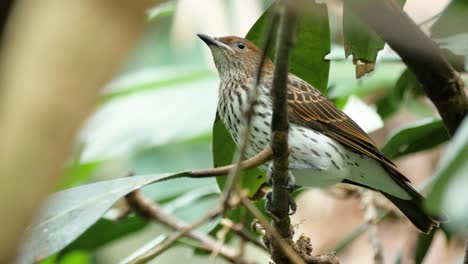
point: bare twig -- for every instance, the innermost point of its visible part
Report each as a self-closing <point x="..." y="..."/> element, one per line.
<point x="253" y="162"/>
<point x="423" y="57"/>
<point x="148" y="209"/>
<point x="371" y="217"/>
<point x="285" y="247"/>
<point x="238" y="229"/>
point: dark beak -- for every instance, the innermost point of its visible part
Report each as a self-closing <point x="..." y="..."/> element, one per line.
<point x="208" y="40"/>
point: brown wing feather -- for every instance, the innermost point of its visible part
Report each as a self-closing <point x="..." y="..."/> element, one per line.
<point x="308" y="107"/>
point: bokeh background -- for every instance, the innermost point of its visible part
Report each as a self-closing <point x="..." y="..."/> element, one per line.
<point x="156" y="115"/>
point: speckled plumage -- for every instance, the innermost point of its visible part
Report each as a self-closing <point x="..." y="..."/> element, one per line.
<point x="327" y="147"/>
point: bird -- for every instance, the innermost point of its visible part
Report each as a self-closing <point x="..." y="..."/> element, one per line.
<point x="327" y="146"/>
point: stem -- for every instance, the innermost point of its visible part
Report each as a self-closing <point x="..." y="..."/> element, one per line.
<point x="280" y="127"/>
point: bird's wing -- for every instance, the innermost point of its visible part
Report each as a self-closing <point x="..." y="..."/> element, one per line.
<point x="309" y="108"/>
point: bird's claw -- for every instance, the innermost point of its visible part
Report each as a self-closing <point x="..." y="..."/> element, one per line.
<point x="292" y="205"/>
<point x="290" y="186"/>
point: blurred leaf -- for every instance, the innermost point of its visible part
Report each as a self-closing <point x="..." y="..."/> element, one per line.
<point x="145" y="249"/>
<point x="452" y="21"/>
<point x="68" y="213"/>
<point x="143" y="81"/>
<point x="223" y="151"/>
<point x="105" y="231"/>
<point x="451" y="33"/>
<point x="344" y="84"/>
<point x="78" y="173"/>
<point x="406" y="85"/>
<point x="150" y="118"/>
<point x="188" y="206"/>
<point x="161" y="10"/>
<point x="449" y="192"/>
<point x="422" y="246"/>
<point x="360" y="40"/>
<point x="421" y="135"/>
<point x="311" y="45"/>
<point x="363" y="114"/>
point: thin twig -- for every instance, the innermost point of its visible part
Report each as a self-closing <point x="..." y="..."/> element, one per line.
<point x="253" y="162"/>
<point x="148" y="209"/>
<point x="285" y="247"/>
<point x="238" y="229"/>
<point x="371" y="217"/>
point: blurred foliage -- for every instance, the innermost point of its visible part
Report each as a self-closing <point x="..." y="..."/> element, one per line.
<point x="360" y="40"/>
<point x="173" y="134"/>
<point x="421" y="135"/>
<point x="449" y="192"/>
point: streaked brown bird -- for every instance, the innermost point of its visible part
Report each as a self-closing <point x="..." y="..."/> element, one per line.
<point x="327" y="146"/>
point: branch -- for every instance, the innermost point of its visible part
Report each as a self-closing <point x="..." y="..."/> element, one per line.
<point x="423" y="57"/>
<point x="148" y="209"/>
<point x="279" y="127"/>
<point x="253" y="162"/>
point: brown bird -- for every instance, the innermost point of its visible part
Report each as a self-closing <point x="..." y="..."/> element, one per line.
<point x="327" y="146"/>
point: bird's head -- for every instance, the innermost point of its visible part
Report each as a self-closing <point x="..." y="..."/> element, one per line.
<point x="233" y="55"/>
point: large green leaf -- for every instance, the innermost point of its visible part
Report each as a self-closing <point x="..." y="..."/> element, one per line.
<point x="359" y="39"/>
<point x="223" y="150"/>
<point x="68" y="213"/>
<point x="449" y="192"/>
<point x="311" y="46"/>
<point x="418" y="136"/>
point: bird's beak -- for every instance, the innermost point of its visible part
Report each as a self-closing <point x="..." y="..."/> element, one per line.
<point x="209" y="40"/>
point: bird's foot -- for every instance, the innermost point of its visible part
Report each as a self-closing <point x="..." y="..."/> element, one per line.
<point x="290" y="186"/>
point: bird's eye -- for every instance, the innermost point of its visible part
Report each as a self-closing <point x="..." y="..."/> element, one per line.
<point x="240" y="45"/>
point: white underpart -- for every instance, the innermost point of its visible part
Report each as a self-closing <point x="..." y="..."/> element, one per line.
<point x="315" y="159"/>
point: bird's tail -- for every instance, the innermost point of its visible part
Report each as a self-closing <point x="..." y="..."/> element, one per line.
<point x="413" y="209"/>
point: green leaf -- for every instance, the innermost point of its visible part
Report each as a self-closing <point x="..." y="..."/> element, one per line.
<point x="449" y="192"/>
<point x="360" y="40"/>
<point x="452" y="21"/>
<point x="422" y="246"/>
<point x="67" y="214"/>
<point x="343" y="82"/>
<point x="223" y="151"/>
<point x="418" y="136"/>
<point x="78" y="173"/>
<point x="188" y="206"/>
<point x="105" y="231"/>
<point x="161" y="10"/>
<point x="311" y="46"/>
<point x="406" y="86"/>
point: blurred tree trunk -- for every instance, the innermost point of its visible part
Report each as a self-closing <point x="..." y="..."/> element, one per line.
<point x="55" y="57"/>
